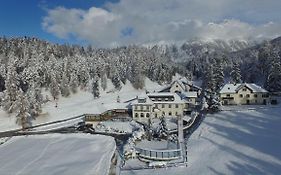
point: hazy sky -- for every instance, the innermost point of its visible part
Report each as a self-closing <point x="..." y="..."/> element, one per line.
<point x="120" y="22"/>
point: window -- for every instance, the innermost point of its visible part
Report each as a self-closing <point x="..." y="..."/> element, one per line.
<point x="265" y="95"/>
<point x="244" y="89"/>
<point x="136" y="115"/>
<point x="141" y="107"/>
<point x="155" y="115"/>
<point x="248" y="95"/>
<point x="156" y="105"/>
<point x="142" y="115"/>
<point x="255" y="95"/>
<point x="170" y="106"/>
<point x="241" y="95"/>
<point x="176" y="113"/>
<point x="177" y="106"/>
<point x="177" y="86"/>
<point x="163" y="106"/>
<point x="228" y="95"/>
<point x="170" y="113"/>
<point x="147" y="115"/>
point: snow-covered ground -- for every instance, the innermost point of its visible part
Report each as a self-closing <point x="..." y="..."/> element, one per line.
<point x="80" y="103"/>
<point x="54" y="154"/>
<point x="237" y="141"/>
<point x="117" y="126"/>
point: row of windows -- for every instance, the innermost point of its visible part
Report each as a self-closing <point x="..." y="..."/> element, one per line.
<point x="162" y="99"/>
<point x="163" y="105"/>
<point x="142" y="107"/>
<point x="142" y="115"/>
<point x="248" y="95"/>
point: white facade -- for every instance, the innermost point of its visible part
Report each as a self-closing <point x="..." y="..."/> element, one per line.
<point x="243" y="94"/>
<point x="156" y="105"/>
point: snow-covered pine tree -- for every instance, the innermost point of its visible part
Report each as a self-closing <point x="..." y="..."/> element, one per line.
<point x="11" y="86"/>
<point x="54" y="86"/>
<point x="103" y="81"/>
<point x="116" y="81"/>
<point x="209" y="79"/>
<point x="74" y="82"/>
<point x="95" y="87"/>
<point x="218" y="74"/>
<point x="35" y="98"/>
<point x="273" y="83"/>
<point x="213" y="103"/>
<point x="236" y="73"/>
<point x="23" y="115"/>
<point x="64" y="86"/>
<point x="138" y="77"/>
<point x="163" y="129"/>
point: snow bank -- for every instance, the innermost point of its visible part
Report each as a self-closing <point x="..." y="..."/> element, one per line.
<point x="54" y="154"/>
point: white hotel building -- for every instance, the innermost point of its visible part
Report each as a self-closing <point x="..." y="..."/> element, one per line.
<point x="156" y="105"/>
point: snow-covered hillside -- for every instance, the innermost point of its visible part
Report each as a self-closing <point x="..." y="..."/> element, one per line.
<point x="53" y="154"/>
<point x="82" y="102"/>
<point x="237" y="141"/>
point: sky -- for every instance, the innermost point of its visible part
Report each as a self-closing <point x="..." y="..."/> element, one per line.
<point x="110" y="23"/>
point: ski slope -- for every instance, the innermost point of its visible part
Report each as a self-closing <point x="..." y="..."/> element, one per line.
<point x="53" y="154"/>
<point x="237" y="141"/>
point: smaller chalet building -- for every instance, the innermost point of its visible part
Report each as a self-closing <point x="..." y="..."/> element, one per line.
<point x="180" y="86"/>
<point x="156" y="105"/>
<point x="243" y="94"/>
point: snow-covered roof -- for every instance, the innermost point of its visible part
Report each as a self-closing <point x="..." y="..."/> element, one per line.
<point x="176" y="97"/>
<point x="190" y="94"/>
<point x="161" y="94"/>
<point x="233" y="88"/>
<point x="142" y="97"/>
<point x="182" y="82"/>
<point x="150" y="96"/>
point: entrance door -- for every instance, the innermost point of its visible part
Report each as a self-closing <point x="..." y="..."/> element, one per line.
<point x="248" y="102"/>
<point x="264" y="101"/>
<point x="225" y="102"/>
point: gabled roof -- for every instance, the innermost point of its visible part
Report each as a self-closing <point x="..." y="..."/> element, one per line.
<point x="234" y="88"/>
<point x="182" y="83"/>
<point x="192" y="85"/>
<point x="189" y="95"/>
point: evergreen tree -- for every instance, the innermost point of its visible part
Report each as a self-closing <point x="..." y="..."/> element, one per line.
<point x="65" y="86"/>
<point x="274" y="78"/>
<point x="209" y="79"/>
<point x="163" y="129"/>
<point x="103" y="81"/>
<point x="73" y="82"/>
<point x="235" y="74"/>
<point x="95" y="87"/>
<point x="23" y="111"/>
<point x="218" y="74"/>
<point x="54" y="87"/>
<point x="11" y="86"/>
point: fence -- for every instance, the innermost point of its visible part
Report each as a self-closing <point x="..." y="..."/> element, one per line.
<point x="159" y="154"/>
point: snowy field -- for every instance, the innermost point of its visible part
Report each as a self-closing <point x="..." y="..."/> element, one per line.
<point x="237" y="141"/>
<point x="53" y="154"/>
